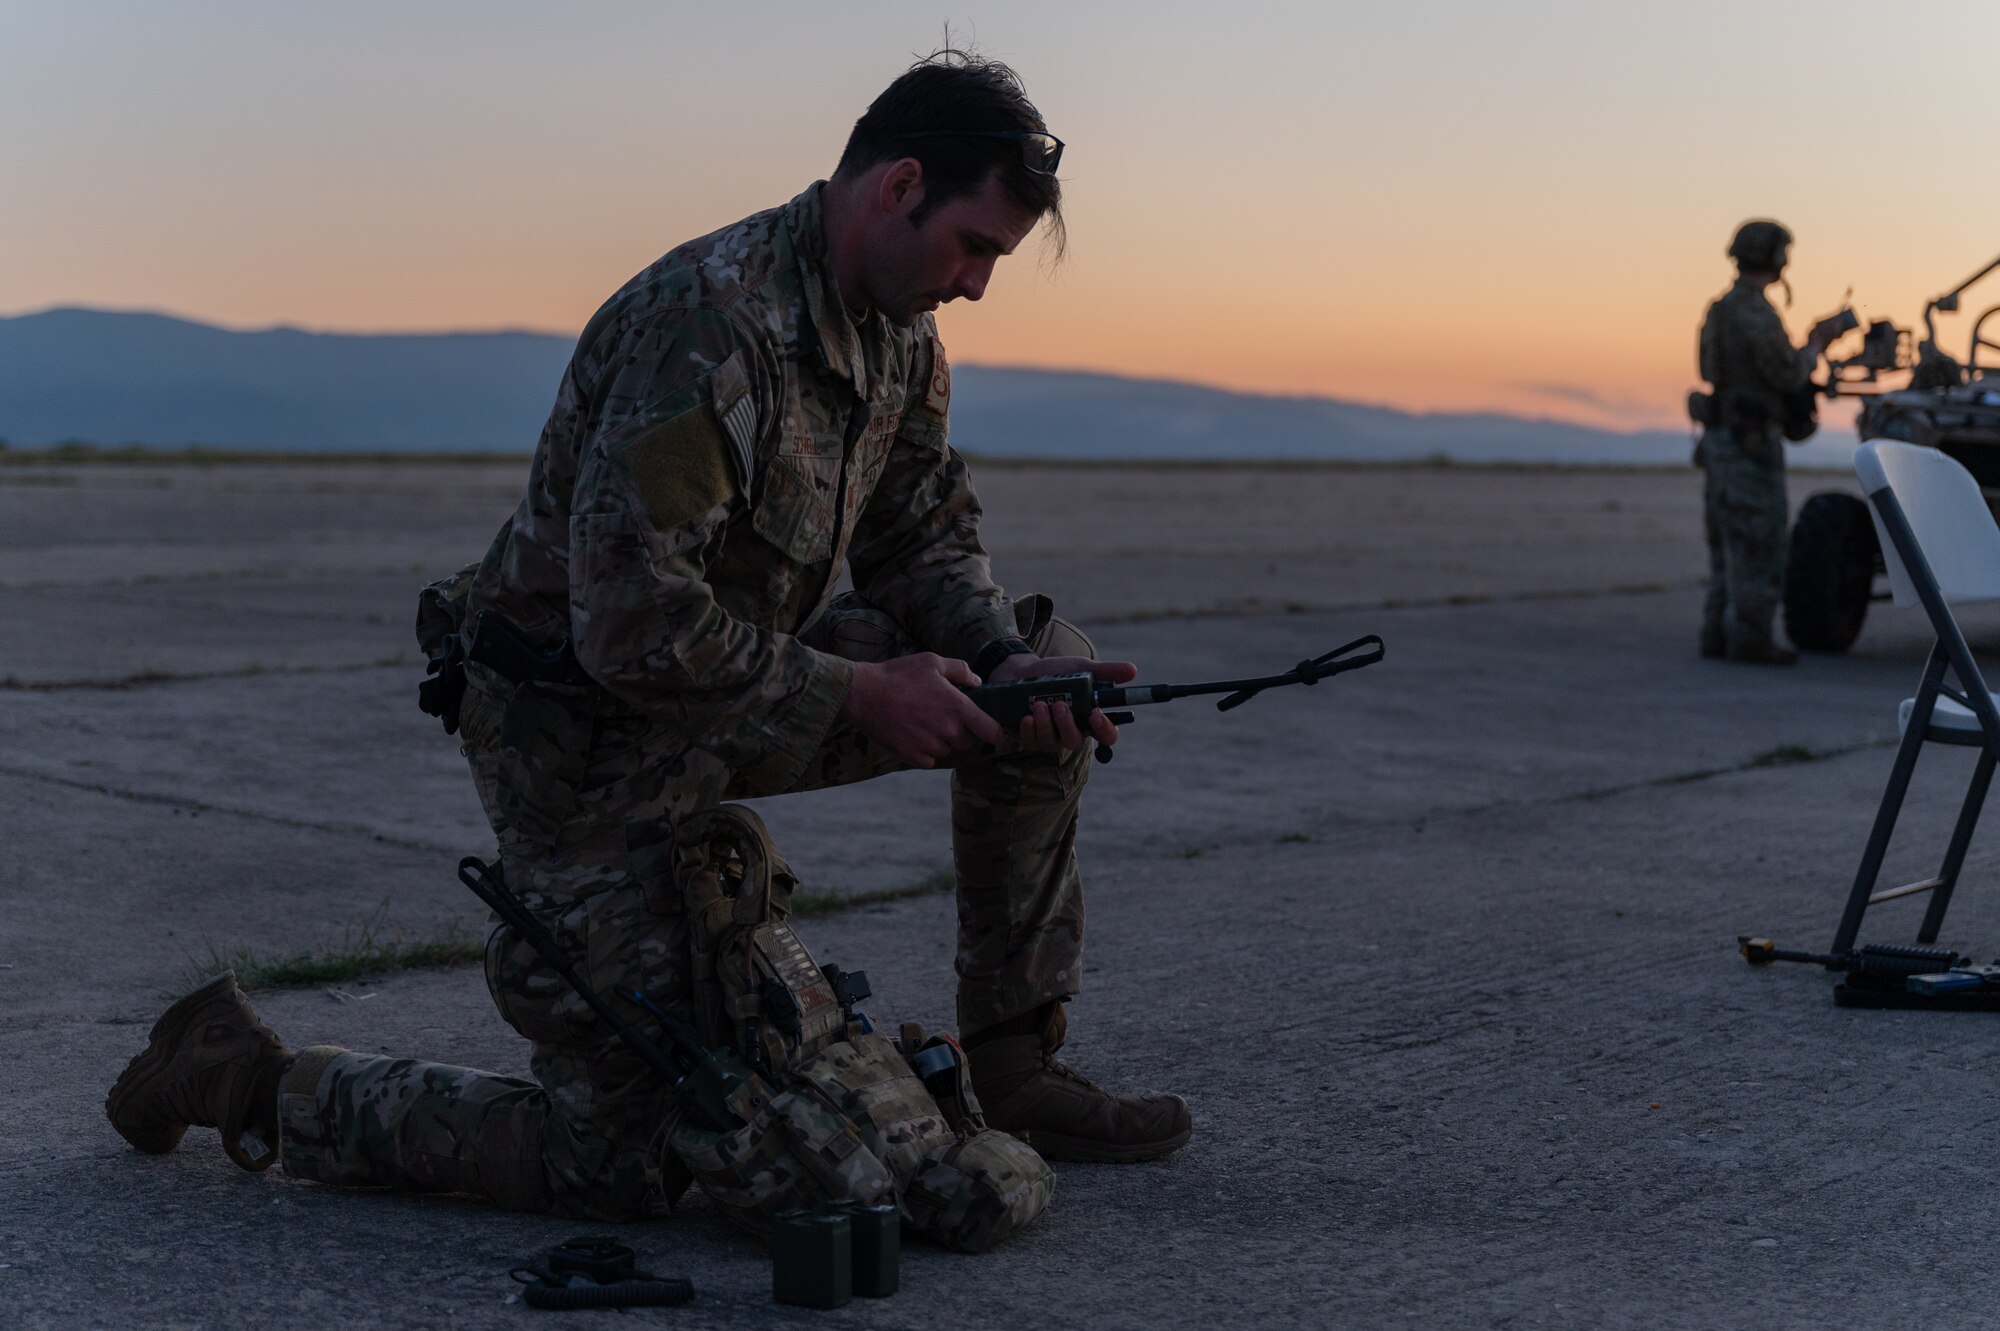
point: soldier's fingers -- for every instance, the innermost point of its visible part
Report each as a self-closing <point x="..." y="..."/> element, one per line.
<point x="1036" y="731"/>
<point x="1100" y="726"/>
<point x="1065" y="723"/>
<point x="976" y="726"/>
<point x="958" y="672"/>
<point x="1115" y="671"/>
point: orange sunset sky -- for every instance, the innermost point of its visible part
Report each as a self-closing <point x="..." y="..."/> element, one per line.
<point x="1432" y="206"/>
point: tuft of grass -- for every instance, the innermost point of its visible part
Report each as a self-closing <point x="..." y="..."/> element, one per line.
<point x="1784" y="756"/>
<point x="808" y="904"/>
<point x="363" y="953"/>
<point x="352" y="959"/>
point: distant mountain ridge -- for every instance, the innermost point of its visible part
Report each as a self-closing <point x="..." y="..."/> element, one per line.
<point x="111" y="377"/>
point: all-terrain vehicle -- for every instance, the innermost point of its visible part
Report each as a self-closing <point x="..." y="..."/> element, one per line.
<point x="1943" y="403"/>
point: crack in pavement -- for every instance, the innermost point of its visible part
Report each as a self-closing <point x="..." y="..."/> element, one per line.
<point x="143" y="678"/>
<point x="214" y="575"/>
<point x="1254" y="606"/>
<point x="353" y="830"/>
<point x="1759" y="763"/>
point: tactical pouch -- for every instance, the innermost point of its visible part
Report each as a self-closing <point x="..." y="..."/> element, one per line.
<point x="794" y="1154"/>
<point x="756" y="987"/>
<point x="869" y="1084"/>
<point x="441" y="611"/>
<point x="978" y="1190"/>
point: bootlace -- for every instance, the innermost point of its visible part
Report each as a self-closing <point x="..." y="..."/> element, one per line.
<point x="1068" y="1073"/>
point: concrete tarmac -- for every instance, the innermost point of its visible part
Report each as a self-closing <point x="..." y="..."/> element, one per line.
<point x="1441" y="952"/>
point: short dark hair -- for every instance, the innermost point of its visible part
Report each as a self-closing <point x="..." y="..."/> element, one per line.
<point x="955" y="89"/>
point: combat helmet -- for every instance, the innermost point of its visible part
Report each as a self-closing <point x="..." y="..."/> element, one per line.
<point x="1760" y="243"/>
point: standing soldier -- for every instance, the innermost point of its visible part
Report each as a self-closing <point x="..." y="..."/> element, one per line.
<point x="1749" y="359"/>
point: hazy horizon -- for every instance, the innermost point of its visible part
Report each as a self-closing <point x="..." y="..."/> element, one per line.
<point x="76" y="375"/>
<point x="1439" y="208"/>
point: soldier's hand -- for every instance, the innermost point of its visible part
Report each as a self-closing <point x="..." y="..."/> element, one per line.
<point x="913" y="707"/>
<point x="1047" y="729"/>
<point x="1827" y="331"/>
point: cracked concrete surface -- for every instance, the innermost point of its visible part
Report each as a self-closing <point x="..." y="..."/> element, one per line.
<point x="1442" y="951"/>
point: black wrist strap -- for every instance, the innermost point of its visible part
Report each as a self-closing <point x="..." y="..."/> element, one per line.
<point x="993" y="653"/>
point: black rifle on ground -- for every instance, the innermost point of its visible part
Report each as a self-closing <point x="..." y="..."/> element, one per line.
<point x="708" y="1081"/>
<point x="1880" y="976"/>
<point x="1011" y="703"/>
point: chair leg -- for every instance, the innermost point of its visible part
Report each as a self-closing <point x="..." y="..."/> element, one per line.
<point x="1878" y="838"/>
<point x="1961" y="840"/>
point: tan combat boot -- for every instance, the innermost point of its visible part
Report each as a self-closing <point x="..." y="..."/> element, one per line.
<point x="1025" y="1090"/>
<point x="210" y="1063"/>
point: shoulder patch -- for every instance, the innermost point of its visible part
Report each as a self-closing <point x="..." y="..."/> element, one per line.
<point x="683" y="467"/>
<point x="736" y="408"/>
<point x="937" y="392"/>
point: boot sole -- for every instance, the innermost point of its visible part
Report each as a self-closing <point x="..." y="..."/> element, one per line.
<point x="158" y="1139"/>
<point x="1087" y="1151"/>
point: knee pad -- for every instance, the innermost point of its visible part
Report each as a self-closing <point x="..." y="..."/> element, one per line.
<point x="1035" y="619"/>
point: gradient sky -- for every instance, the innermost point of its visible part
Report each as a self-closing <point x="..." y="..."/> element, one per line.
<point x="1434" y="206"/>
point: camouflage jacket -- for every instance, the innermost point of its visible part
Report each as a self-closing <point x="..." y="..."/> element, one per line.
<point x="725" y="437"/>
<point x="1747" y="355"/>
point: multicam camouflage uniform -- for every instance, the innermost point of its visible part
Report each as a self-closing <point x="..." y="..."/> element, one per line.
<point x="726" y="436"/>
<point x="1747" y="355"/>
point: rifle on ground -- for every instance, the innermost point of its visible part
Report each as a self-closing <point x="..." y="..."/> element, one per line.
<point x="1880" y="976"/>
<point x="712" y="1084"/>
<point x="1011" y="703"/>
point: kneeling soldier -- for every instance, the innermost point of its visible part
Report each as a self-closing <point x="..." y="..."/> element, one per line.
<point x="653" y="633"/>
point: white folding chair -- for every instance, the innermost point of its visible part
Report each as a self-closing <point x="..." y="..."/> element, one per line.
<point x="1942" y="549"/>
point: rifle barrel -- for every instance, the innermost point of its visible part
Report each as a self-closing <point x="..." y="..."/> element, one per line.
<point x="1335" y="662"/>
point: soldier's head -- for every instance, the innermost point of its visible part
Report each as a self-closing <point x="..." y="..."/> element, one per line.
<point x="949" y="169"/>
<point x="1761" y="248"/>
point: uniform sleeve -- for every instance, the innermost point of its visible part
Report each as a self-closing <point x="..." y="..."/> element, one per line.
<point x="916" y="550"/>
<point x="1767" y="350"/>
<point x="666" y="469"/>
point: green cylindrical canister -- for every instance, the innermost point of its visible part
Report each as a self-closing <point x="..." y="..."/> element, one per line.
<point x="812" y="1260"/>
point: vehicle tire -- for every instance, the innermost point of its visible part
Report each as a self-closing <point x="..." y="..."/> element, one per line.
<point x="1830" y="574"/>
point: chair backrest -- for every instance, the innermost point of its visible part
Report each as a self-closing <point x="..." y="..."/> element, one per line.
<point x="1946" y="513"/>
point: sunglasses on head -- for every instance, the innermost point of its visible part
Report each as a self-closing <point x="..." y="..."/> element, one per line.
<point x="1040" y="153"/>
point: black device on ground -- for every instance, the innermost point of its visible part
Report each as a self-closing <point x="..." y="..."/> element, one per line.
<point x="597" y="1272"/>
<point x="1878" y="976"/>
<point x="706" y="1078"/>
<point x="1010" y="703"/>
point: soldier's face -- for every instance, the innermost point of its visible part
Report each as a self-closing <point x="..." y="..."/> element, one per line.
<point x="950" y="256"/>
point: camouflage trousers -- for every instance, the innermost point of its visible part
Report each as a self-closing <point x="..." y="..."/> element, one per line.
<point x="1745" y="515"/>
<point x="583" y="795"/>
